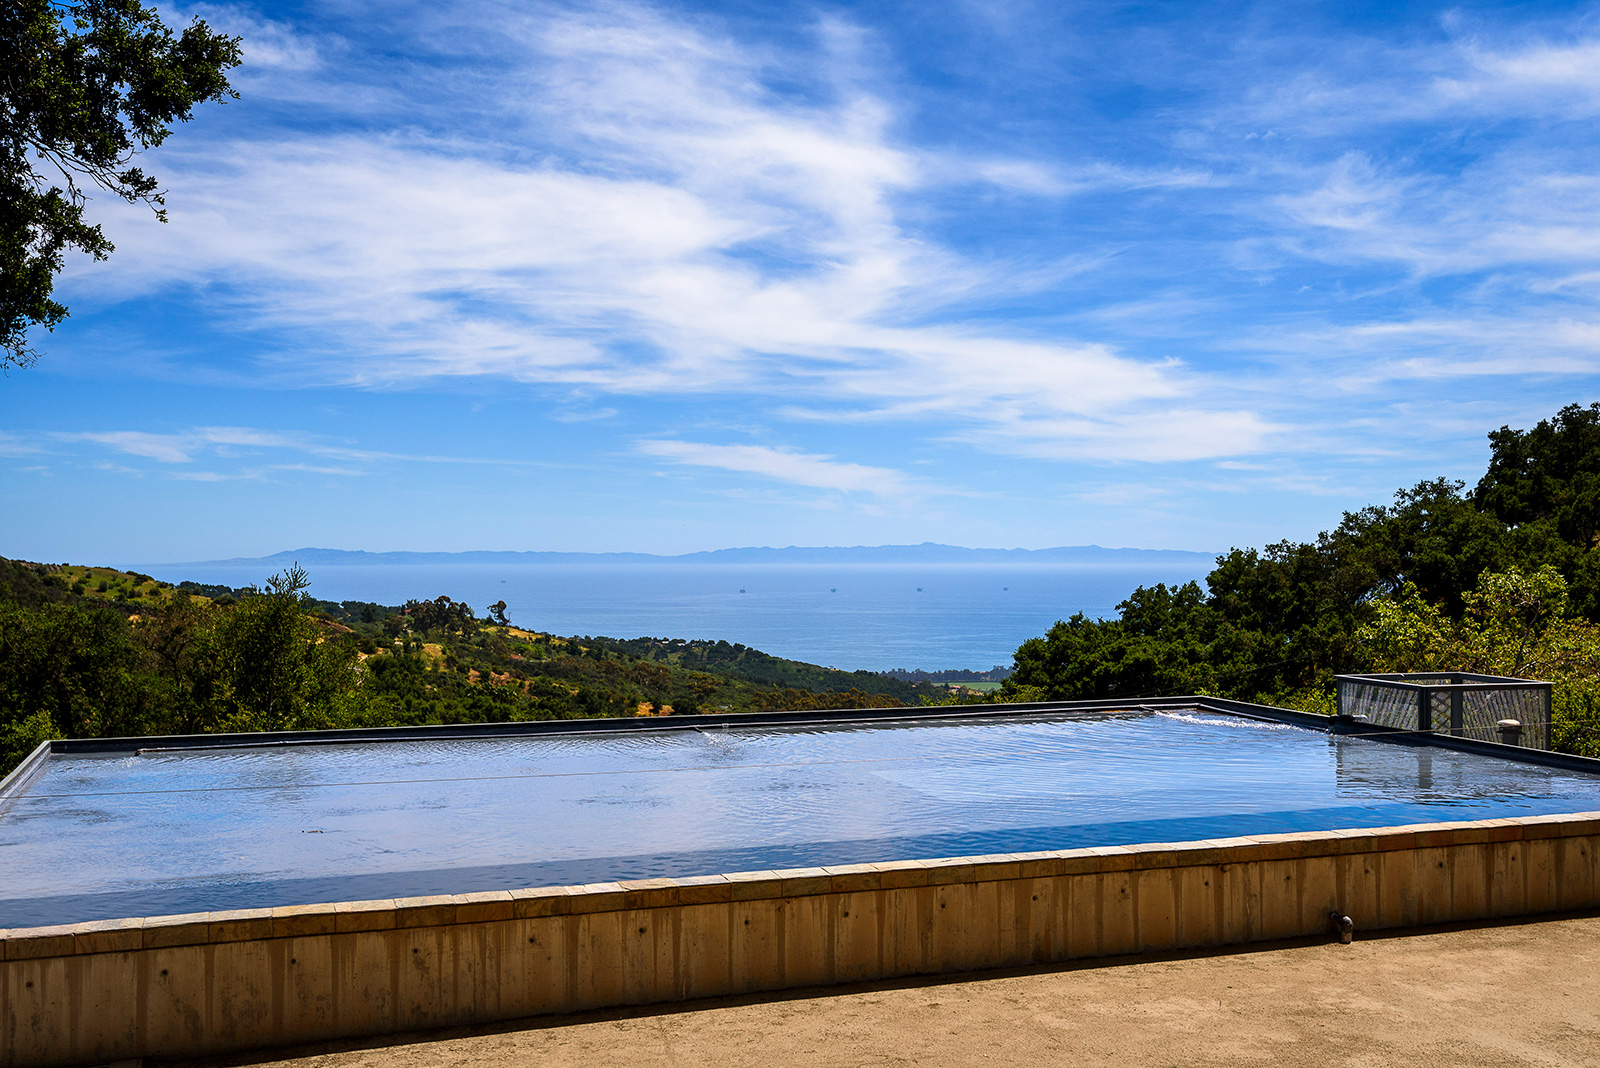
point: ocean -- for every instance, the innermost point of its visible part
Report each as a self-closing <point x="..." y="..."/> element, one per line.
<point x="872" y="617"/>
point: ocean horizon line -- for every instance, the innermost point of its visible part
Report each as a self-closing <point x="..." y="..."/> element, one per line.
<point x="923" y="553"/>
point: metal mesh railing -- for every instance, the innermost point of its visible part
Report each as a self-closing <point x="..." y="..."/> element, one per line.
<point x="1462" y="704"/>
<point x="1388" y="706"/>
<point x="1483" y="709"/>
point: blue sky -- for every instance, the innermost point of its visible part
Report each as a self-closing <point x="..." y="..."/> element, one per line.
<point x="674" y="277"/>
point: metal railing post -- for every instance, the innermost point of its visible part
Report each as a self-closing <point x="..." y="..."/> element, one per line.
<point x="1547" y="740"/>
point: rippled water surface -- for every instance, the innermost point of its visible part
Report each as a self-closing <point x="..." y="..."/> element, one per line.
<point x="102" y="836"/>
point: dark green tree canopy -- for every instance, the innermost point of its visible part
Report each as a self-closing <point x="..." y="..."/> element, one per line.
<point x="1548" y="474"/>
<point x="1276" y="624"/>
<point x="85" y="85"/>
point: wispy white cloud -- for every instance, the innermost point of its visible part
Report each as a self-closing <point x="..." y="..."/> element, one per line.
<point x="16" y="445"/>
<point x="1056" y="179"/>
<point x="180" y="448"/>
<point x="1538" y="75"/>
<point x="167" y="448"/>
<point x="645" y="205"/>
<point x="785" y="465"/>
<point x="685" y="230"/>
<point x="249" y="449"/>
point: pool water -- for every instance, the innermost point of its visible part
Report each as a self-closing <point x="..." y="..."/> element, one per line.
<point x="104" y="836"/>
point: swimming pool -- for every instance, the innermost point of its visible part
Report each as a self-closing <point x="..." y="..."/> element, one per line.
<point x="105" y="835"/>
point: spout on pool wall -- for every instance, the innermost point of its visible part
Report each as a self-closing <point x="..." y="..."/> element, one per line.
<point x="213" y="983"/>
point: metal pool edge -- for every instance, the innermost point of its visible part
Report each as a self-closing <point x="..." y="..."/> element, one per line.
<point x="809" y="717"/>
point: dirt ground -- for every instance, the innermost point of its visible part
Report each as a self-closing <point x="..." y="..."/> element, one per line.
<point x="1520" y="994"/>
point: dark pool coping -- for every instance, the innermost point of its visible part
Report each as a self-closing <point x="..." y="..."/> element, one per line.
<point x="14" y="783"/>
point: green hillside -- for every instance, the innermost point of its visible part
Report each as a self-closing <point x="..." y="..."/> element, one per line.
<point x="93" y="651"/>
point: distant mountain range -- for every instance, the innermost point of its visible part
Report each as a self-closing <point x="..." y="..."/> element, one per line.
<point x="926" y="553"/>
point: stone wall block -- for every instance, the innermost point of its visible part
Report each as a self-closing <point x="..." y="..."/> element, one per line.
<point x="115" y="936"/>
<point x="644" y="957"/>
<point x="1054" y="930"/>
<point x="1397" y="888"/>
<point x="541" y="901"/>
<point x="1081" y="907"/>
<point x="506" y="948"/>
<point x="971" y="925"/>
<point x="983" y="920"/>
<point x="1539" y="862"/>
<point x="756" y="943"/>
<point x="176" y="1000"/>
<point x="37" y="1017"/>
<point x="1028" y="918"/>
<point x="706" y="937"/>
<point x="1471" y="869"/>
<point x="1155" y="909"/>
<point x="597" y="959"/>
<point x="1434" y="894"/>
<point x="1508" y="878"/>
<point x="911" y="918"/>
<point x="1574" y="873"/>
<point x="541" y="958"/>
<point x="103" y="1006"/>
<point x="1119" y="930"/>
<point x="1280" y="899"/>
<point x="289" y="921"/>
<point x="420" y="969"/>
<point x="1358" y="889"/>
<point x="1319" y="893"/>
<point x="363" y="983"/>
<point x="431" y="911"/>
<point x="354" y="916"/>
<point x="808" y="925"/>
<point x="1199" y="892"/>
<point x="848" y="878"/>
<point x="859" y="930"/>
<point x="192" y="929"/>
<point x="467" y="957"/>
<point x="240" y="992"/>
<point x="1238" y="889"/>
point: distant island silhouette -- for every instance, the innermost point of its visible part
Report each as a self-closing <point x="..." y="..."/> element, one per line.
<point x="925" y="553"/>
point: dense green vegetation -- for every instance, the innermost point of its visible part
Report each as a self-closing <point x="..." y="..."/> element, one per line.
<point x="1504" y="577"/>
<point x="90" y="652"/>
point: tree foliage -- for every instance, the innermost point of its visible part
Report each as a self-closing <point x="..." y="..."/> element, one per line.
<point x="85" y="86"/>
<point x="440" y="614"/>
<point x="276" y="673"/>
<point x="1514" y="624"/>
<point x="132" y="657"/>
<point x="1517" y="557"/>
